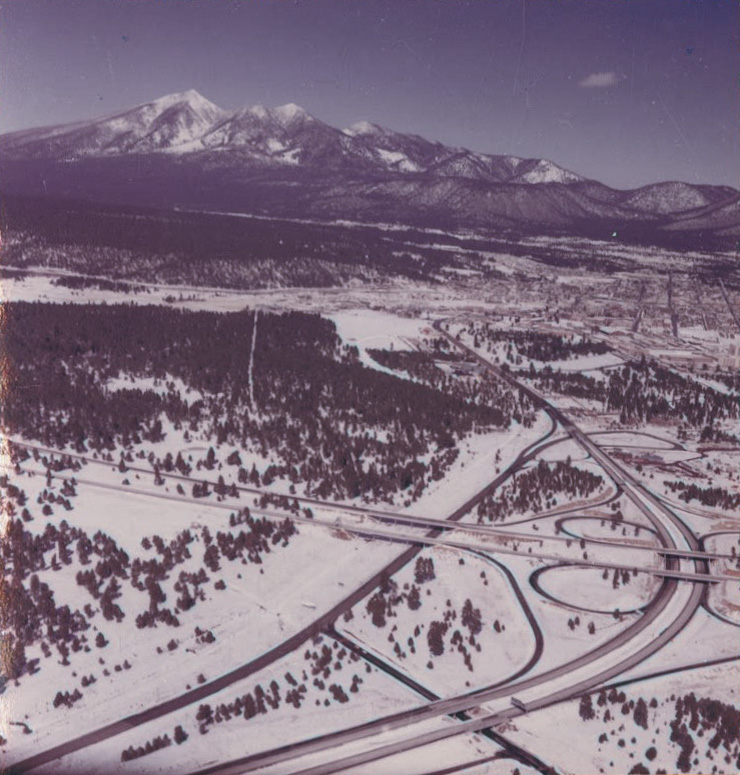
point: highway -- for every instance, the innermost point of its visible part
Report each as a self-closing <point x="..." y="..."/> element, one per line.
<point x="609" y="659"/>
<point x="579" y="673"/>
<point x="465" y="541"/>
<point x="521" y="460"/>
<point x="733" y="314"/>
<point x="280" y="650"/>
<point x="393" y="518"/>
<point x="636" y="492"/>
<point x="509" y="749"/>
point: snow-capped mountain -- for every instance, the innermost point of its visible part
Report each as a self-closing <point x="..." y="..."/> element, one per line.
<point x="182" y="150"/>
<point x="188" y="123"/>
<point x="174" y="121"/>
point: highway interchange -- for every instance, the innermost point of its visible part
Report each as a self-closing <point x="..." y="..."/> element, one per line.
<point x="679" y="556"/>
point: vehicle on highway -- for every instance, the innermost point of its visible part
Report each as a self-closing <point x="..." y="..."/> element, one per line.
<point x="517" y="703"/>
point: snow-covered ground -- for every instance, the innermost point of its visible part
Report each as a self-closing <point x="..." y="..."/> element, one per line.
<point x="262" y="605"/>
<point x="589" y="590"/>
<point x="724" y="598"/>
<point x="583" y="363"/>
<point x="159" y="386"/>
<point x="604" y="529"/>
<point x="631" y="439"/>
<point x="236" y="736"/>
<point x="617" y="745"/>
<point x="459" y="577"/>
<point x="561" y="641"/>
<point x="369" y="329"/>
<point x="296" y="583"/>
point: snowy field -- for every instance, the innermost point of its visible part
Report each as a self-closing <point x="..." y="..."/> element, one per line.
<point x="258" y="606"/>
<point x="619" y="743"/>
<point x="295" y="581"/>
<point x="593" y="590"/>
<point x="496" y="652"/>
<point x="234" y="736"/>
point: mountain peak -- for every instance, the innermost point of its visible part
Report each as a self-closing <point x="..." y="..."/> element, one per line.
<point x="256" y="110"/>
<point x="543" y="171"/>
<point x="290" y="112"/>
<point x="363" y="128"/>
<point x="363" y="172"/>
<point x="185" y="122"/>
<point x="190" y="97"/>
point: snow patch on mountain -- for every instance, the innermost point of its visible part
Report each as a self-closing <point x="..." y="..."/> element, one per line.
<point x="547" y="172"/>
<point x="291" y="157"/>
<point x="160" y="125"/>
<point x="191" y="97"/>
<point x="290" y="112"/>
<point x="170" y="121"/>
<point x="664" y="198"/>
<point x="258" y="110"/>
<point x="397" y="160"/>
<point x="362" y="128"/>
<point x="186" y="122"/>
<point x="373" y="162"/>
<point x="274" y="145"/>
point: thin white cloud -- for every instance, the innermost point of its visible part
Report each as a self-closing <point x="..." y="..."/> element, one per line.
<point x="599" y="80"/>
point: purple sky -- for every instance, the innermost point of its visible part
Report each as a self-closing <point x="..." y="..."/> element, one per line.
<point x="625" y="91"/>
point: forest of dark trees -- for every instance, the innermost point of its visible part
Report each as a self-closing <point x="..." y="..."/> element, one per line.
<point x="568" y="383"/>
<point x="639" y="391"/>
<point x="716" y="497"/>
<point x="471" y="387"/>
<point x="328" y="421"/>
<point x="535" y="345"/>
<point x="190" y="248"/>
<point x="210" y="249"/>
<point x="536" y="488"/>
<point x="644" y="391"/>
<point x="80" y="282"/>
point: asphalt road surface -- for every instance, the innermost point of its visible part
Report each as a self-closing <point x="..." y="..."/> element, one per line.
<point x="648" y="505"/>
<point x="292" y="643"/>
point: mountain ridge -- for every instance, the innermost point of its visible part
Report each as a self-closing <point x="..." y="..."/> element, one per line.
<point x="209" y="127"/>
<point x="182" y="150"/>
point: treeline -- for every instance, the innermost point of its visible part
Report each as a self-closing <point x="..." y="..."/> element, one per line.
<point x="79" y="283"/>
<point x="307" y="402"/>
<point x="191" y="248"/>
<point x="294" y="690"/>
<point x="536" y="488"/>
<point x="573" y="384"/>
<point x="644" y="391"/>
<point x="710" y="718"/>
<point x="716" y="497"/>
<point x="534" y="345"/>
<point x="470" y="386"/>
<point x="156" y="744"/>
<point x="29" y="612"/>
<point x="712" y="721"/>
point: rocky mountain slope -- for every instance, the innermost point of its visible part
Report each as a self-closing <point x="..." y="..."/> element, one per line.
<point x="183" y="151"/>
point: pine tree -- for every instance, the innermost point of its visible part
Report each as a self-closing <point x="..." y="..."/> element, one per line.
<point x="586" y="710"/>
